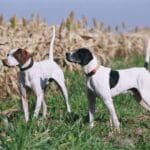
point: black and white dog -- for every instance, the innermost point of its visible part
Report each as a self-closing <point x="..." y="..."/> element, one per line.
<point x="106" y="83"/>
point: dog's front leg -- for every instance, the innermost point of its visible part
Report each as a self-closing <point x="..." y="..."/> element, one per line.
<point x="40" y="98"/>
<point x="110" y="106"/>
<point x="36" y="85"/>
<point x="24" y="100"/>
<point x="44" y="108"/>
<point x="91" y="107"/>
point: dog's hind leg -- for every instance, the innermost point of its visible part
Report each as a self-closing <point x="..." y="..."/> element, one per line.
<point x="142" y="103"/>
<point x="65" y="94"/>
<point x="145" y="100"/>
<point x="61" y="84"/>
<point x="140" y="100"/>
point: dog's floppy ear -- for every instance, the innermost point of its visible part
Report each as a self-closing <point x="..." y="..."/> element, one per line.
<point x="22" y="55"/>
<point x="25" y="55"/>
<point x="85" y="56"/>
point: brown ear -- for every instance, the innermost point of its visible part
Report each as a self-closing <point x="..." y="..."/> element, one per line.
<point x="22" y="56"/>
<point x="25" y="55"/>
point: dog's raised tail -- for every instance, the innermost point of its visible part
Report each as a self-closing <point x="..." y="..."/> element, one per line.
<point x="147" y="54"/>
<point x="52" y="45"/>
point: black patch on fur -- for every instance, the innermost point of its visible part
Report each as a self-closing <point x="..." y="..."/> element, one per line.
<point x="113" y="78"/>
<point x="146" y="65"/>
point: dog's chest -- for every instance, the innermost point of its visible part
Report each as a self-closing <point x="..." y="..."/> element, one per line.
<point x="92" y="85"/>
<point x="24" y="79"/>
<point x="103" y="82"/>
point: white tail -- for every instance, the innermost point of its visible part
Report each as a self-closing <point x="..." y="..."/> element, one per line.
<point x="147" y="54"/>
<point x="51" y="45"/>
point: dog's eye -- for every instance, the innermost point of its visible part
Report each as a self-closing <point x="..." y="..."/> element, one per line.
<point x="7" y="55"/>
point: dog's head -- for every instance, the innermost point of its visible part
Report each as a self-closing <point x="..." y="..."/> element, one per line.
<point x="81" y="56"/>
<point x="16" y="57"/>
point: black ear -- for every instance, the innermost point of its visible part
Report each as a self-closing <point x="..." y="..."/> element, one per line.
<point x="88" y="57"/>
<point x="85" y="56"/>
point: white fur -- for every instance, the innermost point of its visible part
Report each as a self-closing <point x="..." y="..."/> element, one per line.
<point x="10" y="58"/>
<point x="93" y="65"/>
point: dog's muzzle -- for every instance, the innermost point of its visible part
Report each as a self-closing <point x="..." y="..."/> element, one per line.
<point x="68" y="56"/>
<point x="5" y="62"/>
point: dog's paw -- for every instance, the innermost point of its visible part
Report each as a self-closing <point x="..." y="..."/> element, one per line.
<point x="91" y="124"/>
<point x="114" y="131"/>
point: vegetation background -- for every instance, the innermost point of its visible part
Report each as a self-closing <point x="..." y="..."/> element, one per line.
<point x="114" y="48"/>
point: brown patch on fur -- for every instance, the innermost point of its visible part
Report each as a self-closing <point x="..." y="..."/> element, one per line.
<point x="22" y="56"/>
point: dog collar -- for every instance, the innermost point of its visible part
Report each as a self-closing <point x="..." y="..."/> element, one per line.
<point x="29" y="66"/>
<point x="92" y="72"/>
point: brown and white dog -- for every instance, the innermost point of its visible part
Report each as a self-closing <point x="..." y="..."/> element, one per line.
<point x="36" y="75"/>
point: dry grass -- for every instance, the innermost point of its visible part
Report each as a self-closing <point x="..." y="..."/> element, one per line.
<point x="34" y="35"/>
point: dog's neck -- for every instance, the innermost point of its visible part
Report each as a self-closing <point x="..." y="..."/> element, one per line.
<point x="27" y="65"/>
<point x="91" y="68"/>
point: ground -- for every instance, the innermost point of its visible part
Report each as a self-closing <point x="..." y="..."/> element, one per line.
<point x="64" y="131"/>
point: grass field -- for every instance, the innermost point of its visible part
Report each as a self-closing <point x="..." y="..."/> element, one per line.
<point x="64" y="131"/>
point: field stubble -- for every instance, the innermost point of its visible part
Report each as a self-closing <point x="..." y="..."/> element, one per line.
<point x="61" y="130"/>
<point x="35" y="35"/>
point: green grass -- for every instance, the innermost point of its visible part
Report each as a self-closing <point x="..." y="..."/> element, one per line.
<point x="64" y="131"/>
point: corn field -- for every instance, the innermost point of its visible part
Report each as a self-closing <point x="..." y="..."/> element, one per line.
<point x="34" y="35"/>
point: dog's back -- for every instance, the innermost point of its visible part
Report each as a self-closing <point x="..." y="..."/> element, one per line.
<point x="44" y="68"/>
